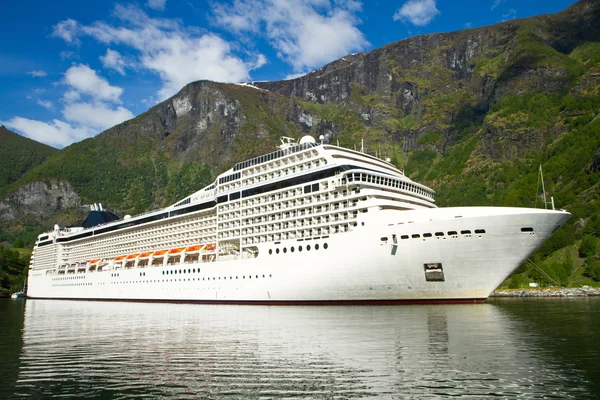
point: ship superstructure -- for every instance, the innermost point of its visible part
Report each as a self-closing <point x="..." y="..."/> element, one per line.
<point x="309" y="222"/>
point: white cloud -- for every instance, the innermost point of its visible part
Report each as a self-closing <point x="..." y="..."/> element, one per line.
<point x="306" y="34"/>
<point x="496" y="4"/>
<point x="177" y="54"/>
<point x="38" y="73"/>
<point x="85" y="80"/>
<point x="157" y="4"/>
<point x="417" y="12"/>
<point x="47" y="104"/>
<point x="113" y="59"/>
<point x="511" y="14"/>
<point x="96" y="116"/>
<point x="289" y="77"/>
<point x="56" y="133"/>
<point x="67" y="30"/>
<point x="90" y="105"/>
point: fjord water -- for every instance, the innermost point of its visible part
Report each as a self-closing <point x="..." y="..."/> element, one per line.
<point x="527" y="349"/>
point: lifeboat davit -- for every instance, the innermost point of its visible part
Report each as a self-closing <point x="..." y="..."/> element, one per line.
<point x="193" y="249"/>
<point x="210" y="247"/>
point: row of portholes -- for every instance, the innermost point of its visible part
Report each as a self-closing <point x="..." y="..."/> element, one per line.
<point x="218" y="278"/>
<point x="72" y="284"/>
<point x="300" y="248"/>
<point x="69" y="277"/>
<point x="174" y="271"/>
<point x="439" y="234"/>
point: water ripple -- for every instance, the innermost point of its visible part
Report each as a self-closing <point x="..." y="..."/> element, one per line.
<point x="138" y="351"/>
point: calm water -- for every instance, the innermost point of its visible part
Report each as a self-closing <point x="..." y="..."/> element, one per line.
<point x="526" y="349"/>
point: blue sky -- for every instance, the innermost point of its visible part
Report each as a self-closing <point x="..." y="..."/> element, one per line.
<point x="71" y="69"/>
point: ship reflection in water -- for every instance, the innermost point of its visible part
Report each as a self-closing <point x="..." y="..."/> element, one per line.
<point x="131" y="350"/>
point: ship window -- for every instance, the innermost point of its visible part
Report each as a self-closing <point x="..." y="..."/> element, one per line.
<point x="285" y="249"/>
<point x="452" y="233"/>
<point x="467" y="232"/>
<point x="427" y="235"/>
<point x="317" y="246"/>
<point x="277" y="251"/>
<point x="308" y="247"/>
<point x="299" y="248"/>
<point x="384" y="239"/>
<point x="307" y="189"/>
<point x="416" y="236"/>
<point x="404" y="237"/>
<point x="325" y="246"/>
<point x="479" y="230"/>
<point x="292" y="249"/>
<point x="315" y="187"/>
<point x="527" y="229"/>
<point x="439" y="234"/>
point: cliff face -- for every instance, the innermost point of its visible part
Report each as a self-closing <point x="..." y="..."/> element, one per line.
<point x="39" y="200"/>
<point x="468" y="107"/>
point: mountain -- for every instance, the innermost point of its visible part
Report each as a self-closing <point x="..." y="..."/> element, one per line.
<point x="18" y="155"/>
<point x="471" y="113"/>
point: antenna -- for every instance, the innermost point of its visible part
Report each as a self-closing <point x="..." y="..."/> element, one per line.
<point x="551" y="202"/>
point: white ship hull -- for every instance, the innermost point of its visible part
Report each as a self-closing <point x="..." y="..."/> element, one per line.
<point x="375" y="262"/>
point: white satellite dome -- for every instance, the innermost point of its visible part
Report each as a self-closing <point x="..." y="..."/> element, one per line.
<point x="307" y="139"/>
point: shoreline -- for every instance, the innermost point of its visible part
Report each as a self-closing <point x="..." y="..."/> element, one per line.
<point x="585" y="291"/>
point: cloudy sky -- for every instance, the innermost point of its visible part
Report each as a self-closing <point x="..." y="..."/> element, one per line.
<point x="71" y="69"/>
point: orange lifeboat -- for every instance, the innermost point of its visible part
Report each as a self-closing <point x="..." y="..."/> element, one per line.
<point x="146" y="254"/>
<point x="176" y="250"/>
<point x="94" y="261"/>
<point x="132" y="256"/>
<point x="159" y="253"/>
<point x="119" y="258"/>
<point x="193" y="249"/>
<point x="210" y="247"/>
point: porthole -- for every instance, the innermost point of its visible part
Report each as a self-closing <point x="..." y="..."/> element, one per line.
<point x="479" y="231"/>
<point x="270" y="251"/>
<point x="292" y="249"/>
<point x="277" y="251"/>
<point x="308" y="247"/>
<point x="452" y="233"/>
<point x="299" y="248"/>
<point x="416" y="236"/>
<point x="325" y="246"/>
<point x="528" y="229"/>
<point x="404" y="237"/>
<point x="285" y="249"/>
<point x="439" y="234"/>
<point x="467" y="232"/>
<point x="179" y="271"/>
<point x="427" y="235"/>
<point x="317" y="246"/>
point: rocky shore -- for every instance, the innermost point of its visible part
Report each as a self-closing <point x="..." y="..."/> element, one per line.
<point x="584" y="291"/>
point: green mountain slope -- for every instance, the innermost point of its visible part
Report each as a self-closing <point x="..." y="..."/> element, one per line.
<point x="18" y="155"/>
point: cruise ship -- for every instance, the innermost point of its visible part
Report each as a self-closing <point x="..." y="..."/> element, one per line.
<point x="309" y="223"/>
